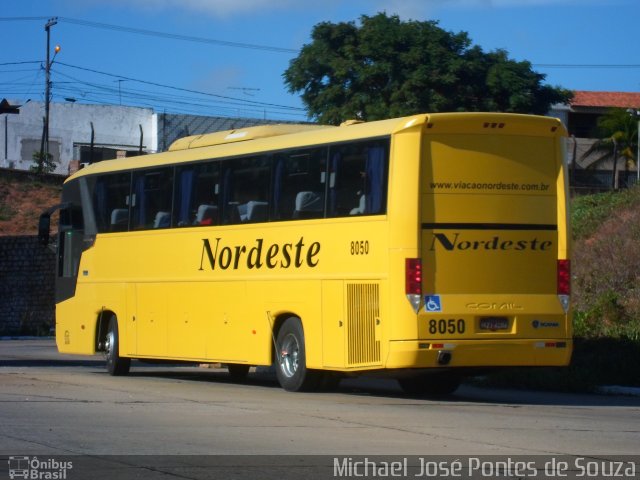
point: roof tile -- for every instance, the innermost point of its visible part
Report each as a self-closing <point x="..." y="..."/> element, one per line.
<point x="606" y="99"/>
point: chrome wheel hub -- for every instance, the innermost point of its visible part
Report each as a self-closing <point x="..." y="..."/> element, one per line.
<point x="289" y="354"/>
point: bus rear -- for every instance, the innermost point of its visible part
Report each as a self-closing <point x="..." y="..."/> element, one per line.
<point x="490" y="284"/>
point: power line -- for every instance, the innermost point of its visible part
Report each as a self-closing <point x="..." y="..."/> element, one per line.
<point x="105" y="95"/>
<point x="174" y="36"/>
<point x="243" y="101"/>
<point x="192" y="102"/>
<point x="12" y="19"/>
<point x="20" y="63"/>
<point x="226" y="43"/>
<point x="156" y="33"/>
<point x="586" y="66"/>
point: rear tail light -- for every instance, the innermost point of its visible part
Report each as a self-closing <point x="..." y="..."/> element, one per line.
<point x="564" y="277"/>
<point x="413" y="282"/>
<point x="564" y="283"/>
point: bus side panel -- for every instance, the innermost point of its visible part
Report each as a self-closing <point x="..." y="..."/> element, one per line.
<point x="333" y="331"/>
<point x="77" y="318"/>
<point x="279" y="299"/>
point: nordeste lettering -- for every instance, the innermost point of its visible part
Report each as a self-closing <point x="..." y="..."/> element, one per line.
<point x="455" y="242"/>
<point x="258" y="255"/>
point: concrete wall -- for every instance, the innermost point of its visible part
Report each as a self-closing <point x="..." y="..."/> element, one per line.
<point x="27" y="290"/>
<point x="115" y="126"/>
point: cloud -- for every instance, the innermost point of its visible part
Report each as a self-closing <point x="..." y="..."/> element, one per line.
<point x="418" y="9"/>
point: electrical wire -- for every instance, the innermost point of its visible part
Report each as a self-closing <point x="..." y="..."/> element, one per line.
<point x="585" y="66"/>
<point x="180" y="89"/>
<point x="226" y="43"/>
<point x="193" y="101"/>
<point x="174" y="36"/>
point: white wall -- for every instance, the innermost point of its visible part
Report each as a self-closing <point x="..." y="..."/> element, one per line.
<point x="70" y="123"/>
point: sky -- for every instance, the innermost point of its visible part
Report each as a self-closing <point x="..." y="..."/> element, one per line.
<point x="227" y="57"/>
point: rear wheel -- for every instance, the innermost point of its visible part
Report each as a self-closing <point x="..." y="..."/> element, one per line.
<point x="291" y="368"/>
<point x="116" y="365"/>
<point x="433" y="384"/>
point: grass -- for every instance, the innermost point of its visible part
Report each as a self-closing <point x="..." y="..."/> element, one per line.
<point x="589" y="212"/>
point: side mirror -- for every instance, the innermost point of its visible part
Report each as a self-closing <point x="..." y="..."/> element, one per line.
<point x="44" y="225"/>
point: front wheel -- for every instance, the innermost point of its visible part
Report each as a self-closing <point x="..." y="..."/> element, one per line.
<point x="291" y="367"/>
<point x="116" y="365"/>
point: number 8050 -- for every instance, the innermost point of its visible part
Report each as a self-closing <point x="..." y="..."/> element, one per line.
<point x="360" y="247"/>
<point x="449" y="326"/>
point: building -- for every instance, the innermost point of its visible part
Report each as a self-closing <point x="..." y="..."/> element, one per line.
<point x="80" y="133"/>
<point x="72" y="127"/>
<point x="580" y="117"/>
<point x="582" y="114"/>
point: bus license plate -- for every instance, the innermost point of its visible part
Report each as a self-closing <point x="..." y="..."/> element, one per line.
<point x="494" y="323"/>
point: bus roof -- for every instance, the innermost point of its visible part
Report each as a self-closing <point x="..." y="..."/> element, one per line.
<point x="240" y="135"/>
<point x="267" y="138"/>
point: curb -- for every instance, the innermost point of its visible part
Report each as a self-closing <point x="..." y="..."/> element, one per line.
<point x="619" y="390"/>
<point x="20" y="337"/>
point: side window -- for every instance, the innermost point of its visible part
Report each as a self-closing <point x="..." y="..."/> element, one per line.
<point x="111" y="194"/>
<point x="152" y="192"/>
<point x="358" y="178"/>
<point x="197" y="199"/>
<point x="299" y="184"/>
<point x="245" y="189"/>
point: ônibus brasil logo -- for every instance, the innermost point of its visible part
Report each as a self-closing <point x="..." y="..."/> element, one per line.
<point x="36" y="469"/>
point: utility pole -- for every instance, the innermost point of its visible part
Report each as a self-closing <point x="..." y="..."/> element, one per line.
<point x="47" y="90"/>
<point x="120" y="80"/>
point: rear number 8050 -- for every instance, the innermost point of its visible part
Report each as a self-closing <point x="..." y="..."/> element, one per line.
<point x="444" y="326"/>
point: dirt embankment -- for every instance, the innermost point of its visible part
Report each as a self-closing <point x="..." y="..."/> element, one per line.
<point x="21" y="203"/>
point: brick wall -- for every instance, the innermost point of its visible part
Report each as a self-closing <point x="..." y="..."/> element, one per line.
<point x="27" y="276"/>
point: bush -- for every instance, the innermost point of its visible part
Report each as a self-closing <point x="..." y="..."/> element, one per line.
<point x="606" y="268"/>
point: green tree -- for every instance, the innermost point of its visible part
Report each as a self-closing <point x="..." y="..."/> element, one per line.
<point x="42" y="164"/>
<point x="384" y="68"/>
<point x="618" y="138"/>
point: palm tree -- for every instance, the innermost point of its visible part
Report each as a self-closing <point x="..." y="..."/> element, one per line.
<point x="618" y="132"/>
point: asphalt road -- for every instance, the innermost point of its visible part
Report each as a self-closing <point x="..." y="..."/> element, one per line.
<point x="62" y="404"/>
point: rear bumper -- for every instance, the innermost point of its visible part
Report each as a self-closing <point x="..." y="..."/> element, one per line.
<point x="479" y="353"/>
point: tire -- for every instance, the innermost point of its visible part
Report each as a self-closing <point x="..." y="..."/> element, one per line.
<point x="238" y="371"/>
<point x="431" y="384"/>
<point x="116" y="365"/>
<point x="291" y="367"/>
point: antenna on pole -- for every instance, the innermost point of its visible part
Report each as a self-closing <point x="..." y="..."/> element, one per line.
<point x="246" y="90"/>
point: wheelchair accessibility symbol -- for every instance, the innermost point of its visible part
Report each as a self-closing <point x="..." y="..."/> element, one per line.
<point x="432" y="303"/>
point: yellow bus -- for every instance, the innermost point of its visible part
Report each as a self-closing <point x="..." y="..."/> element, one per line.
<point x="427" y="248"/>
